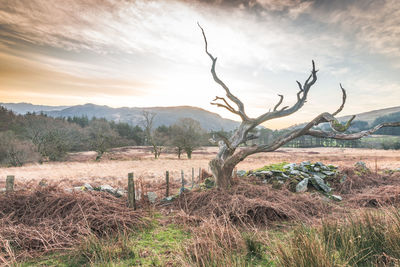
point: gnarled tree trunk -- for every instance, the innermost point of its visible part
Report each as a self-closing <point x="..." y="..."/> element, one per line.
<point x="221" y="172"/>
<point x="229" y="155"/>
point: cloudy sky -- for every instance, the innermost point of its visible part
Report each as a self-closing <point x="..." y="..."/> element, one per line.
<point x="151" y="53"/>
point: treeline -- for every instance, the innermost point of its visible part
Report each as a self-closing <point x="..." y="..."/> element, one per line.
<point x="37" y="137"/>
<point x="267" y="136"/>
<point x="388" y="130"/>
<point x="359" y="125"/>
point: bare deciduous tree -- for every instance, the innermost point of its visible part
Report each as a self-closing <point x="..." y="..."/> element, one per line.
<point x="48" y="135"/>
<point x="16" y="152"/>
<point x="101" y="136"/>
<point x="229" y="155"/>
<point x="152" y="137"/>
<point x="187" y="134"/>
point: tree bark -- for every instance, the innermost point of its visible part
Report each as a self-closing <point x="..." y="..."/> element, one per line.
<point x="189" y="154"/>
<point x="222" y="173"/>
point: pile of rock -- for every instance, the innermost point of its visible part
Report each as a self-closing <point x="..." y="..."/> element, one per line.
<point x="303" y="175"/>
<point x="117" y="192"/>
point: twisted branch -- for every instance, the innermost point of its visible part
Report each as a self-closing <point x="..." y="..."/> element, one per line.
<point x="243" y="133"/>
<point x="344" y="96"/>
<point x="227" y="106"/>
<point x="353" y="136"/>
<point x="280" y="102"/>
<point x="301" y="99"/>
<point x="233" y="98"/>
<point x="222" y="138"/>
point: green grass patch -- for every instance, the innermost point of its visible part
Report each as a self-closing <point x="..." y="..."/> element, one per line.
<point x="154" y="246"/>
<point x="273" y="167"/>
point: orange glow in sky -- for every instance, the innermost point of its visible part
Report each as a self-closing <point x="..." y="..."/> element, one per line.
<point x="151" y="53"/>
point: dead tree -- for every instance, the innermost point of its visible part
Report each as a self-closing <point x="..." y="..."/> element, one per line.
<point x="229" y="155"/>
<point x="151" y="138"/>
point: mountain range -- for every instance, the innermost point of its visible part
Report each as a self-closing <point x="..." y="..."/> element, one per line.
<point x="23" y="108"/>
<point x="164" y="115"/>
<point x="368" y="117"/>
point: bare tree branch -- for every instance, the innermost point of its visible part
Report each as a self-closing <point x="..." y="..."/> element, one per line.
<point x="251" y="137"/>
<point x="280" y="102"/>
<point x="227" y="105"/>
<point x="223" y="106"/>
<point x="300" y="91"/>
<point x="223" y="99"/>
<point x="353" y="136"/>
<point x="301" y="99"/>
<point x="233" y="98"/>
<point x="239" y="156"/>
<point x="344" y="96"/>
<point x="338" y="127"/>
<point x="223" y="138"/>
<point x="228" y="157"/>
<point x="324" y="117"/>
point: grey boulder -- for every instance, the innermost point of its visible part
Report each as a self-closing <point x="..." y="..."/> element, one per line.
<point x="302" y="186"/>
<point x="319" y="182"/>
<point x="152" y="196"/>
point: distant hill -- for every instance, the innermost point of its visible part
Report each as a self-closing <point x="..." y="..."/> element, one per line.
<point x="23" y="108"/>
<point x="368" y="117"/>
<point x="165" y="115"/>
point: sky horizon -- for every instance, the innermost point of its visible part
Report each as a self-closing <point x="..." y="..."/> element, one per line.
<point x="151" y="53"/>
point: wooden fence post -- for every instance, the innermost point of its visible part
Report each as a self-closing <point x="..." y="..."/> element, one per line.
<point x="183" y="182"/>
<point x="10" y="183"/>
<point x="199" y="175"/>
<point x="131" y="191"/>
<point x="167" y="181"/>
<point x="192" y="177"/>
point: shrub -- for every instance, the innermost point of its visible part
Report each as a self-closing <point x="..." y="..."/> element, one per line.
<point x="102" y="136"/>
<point x="16" y="152"/>
<point x="54" y="145"/>
<point x="391" y="145"/>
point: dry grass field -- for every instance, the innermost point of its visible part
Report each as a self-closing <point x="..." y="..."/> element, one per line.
<point x="251" y="224"/>
<point x="113" y="168"/>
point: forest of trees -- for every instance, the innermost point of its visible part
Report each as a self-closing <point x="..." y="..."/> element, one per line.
<point x="37" y="137"/>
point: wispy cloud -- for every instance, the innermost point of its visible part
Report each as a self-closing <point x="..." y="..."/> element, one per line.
<point x="153" y="50"/>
